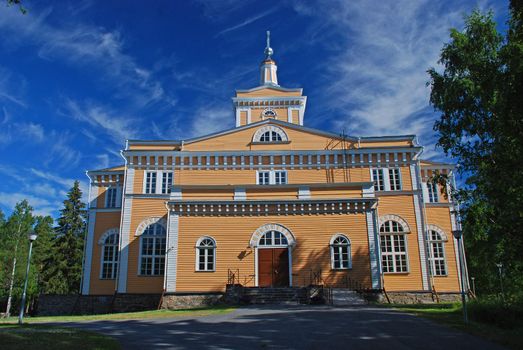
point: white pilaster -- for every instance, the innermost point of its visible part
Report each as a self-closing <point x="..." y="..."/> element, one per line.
<point x="125" y="232"/>
<point x="171" y="252"/>
<point x="420" y="226"/>
<point x="86" y="279"/>
<point x="374" y="252"/>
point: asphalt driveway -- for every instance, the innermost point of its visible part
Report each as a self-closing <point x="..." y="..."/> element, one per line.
<point x="286" y="327"/>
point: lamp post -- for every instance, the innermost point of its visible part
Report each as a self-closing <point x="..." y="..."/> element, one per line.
<point x="458" y="234"/>
<point x="32" y="237"/>
<point x="500" y="271"/>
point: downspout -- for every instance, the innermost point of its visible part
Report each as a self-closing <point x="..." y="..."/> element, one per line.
<point x="423" y="218"/>
<point x="86" y="230"/>
<point x="124" y="186"/>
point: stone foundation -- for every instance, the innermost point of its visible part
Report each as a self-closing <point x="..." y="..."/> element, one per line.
<point x="415" y="297"/>
<point x="191" y="301"/>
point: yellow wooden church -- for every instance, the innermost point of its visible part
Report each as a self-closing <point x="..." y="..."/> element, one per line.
<point x="270" y="202"/>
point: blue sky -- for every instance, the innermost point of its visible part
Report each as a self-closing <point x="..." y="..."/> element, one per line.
<point x="78" y="78"/>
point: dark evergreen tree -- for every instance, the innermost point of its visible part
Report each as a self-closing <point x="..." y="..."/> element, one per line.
<point x="66" y="270"/>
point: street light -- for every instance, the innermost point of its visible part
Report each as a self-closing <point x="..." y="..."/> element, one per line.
<point x="32" y="237"/>
<point x="458" y="234"/>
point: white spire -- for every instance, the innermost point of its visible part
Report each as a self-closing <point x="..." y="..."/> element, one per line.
<point x="268" y="67"/>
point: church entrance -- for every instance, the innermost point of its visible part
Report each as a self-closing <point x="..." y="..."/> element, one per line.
<point x="273" y="267"/>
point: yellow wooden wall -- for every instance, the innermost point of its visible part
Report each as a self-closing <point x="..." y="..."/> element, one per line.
<point x="440" y="216"/>
<point x="232" y="235"/>
<point x="104" y="222"/>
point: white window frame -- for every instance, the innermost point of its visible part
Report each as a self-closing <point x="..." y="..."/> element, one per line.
<point x="376" y="181"/>
<point x="108" y="199"/>
<point x="158" y="188"/>
<point x="273" y="240"/>
<point x="432" y="191"/>
<point x="392" y="177"/>
<point x="264" y="172"/>
<point x="390" y="236"/>
<point x="272" y="177"/>
<point x="115" y="258"/>
<point x="338" y="249"/>
<point x="205" y="249"/>
<point x="432" y="260"/>
<point x="154" y="256"/>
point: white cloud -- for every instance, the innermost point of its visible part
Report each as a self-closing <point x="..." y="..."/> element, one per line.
<point x="377" y="74"/>
<point x="120" y="128"/>
<point x="247" y="21"/>
<point x="211" y="118"/>
<point x="83" y="45"/>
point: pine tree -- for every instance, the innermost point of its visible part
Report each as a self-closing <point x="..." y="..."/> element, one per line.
<point x="66" y="269"/>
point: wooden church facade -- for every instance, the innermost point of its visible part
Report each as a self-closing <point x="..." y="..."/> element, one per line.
<point x="274" y="203"/>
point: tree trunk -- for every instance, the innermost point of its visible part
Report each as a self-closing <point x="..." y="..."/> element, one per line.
<point x="8" y="308"/>
<point x="10" y="298"/>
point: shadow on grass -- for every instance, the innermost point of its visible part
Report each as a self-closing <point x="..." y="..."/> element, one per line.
<point x="49" y="337"/>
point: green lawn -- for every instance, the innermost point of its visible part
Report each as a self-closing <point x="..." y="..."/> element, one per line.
<point x="44" y="337"/>
<point x="452" y="315"/>
<point x="125" y="316"/>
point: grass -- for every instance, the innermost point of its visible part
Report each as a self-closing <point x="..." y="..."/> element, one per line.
<point x="57" y="338"/>
<point x="452" y="315"/>
<point x="215" y="310"/>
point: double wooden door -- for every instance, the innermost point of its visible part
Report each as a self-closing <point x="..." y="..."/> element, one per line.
<point x="273" y="267"/>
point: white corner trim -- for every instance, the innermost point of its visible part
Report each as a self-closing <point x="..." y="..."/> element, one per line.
<point x="240" y="194"/>
<point x="171" y="252"/>
<point x="372" y="235"/>
<point x="304" y="192"/>
<point x="125" y="232"/>
<point x="88" y="254"/>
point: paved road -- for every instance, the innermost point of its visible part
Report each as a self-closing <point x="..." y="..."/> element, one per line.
<point x="286" y="327"/>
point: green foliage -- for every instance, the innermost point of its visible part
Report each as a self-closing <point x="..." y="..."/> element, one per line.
<point x="66" y="269"/>
<point x="479" y="94"/>
<point x="56" y="260"/>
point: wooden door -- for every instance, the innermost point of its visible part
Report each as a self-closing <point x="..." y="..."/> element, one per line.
<point x="273" y="267"/>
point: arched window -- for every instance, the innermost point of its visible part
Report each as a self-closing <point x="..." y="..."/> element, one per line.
<point x="152" y="250"/>
<point x="109" y="264"/>
<point x="205" y="254"/>
<point x="270" y="136"/>
<point x="340" y="252"/>
<point x="270" y="133"/>
<point x="437" y="253"/>
<point x="393" y="247"/>
<point x="273" y="238"/>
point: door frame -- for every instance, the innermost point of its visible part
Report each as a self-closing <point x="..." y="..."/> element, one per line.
<point x="289" y="253"/>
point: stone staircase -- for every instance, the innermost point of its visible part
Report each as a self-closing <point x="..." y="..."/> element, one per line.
<point x="273" y="295"/>
<point x="346" y="297"/>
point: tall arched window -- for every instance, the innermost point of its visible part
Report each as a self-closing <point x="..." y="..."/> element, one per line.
<point x="109" y="264"/>
<point x="152" y="250"/>
<point x="393" y="247"/>
<point x="205" y="254"/>
<point x="437" y="253"/>
<point x="340" y="252"/>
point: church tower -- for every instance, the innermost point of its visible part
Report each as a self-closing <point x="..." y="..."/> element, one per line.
<point x="269" y="99"/>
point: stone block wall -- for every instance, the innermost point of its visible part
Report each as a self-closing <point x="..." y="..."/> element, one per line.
<point x="410" y="297"/>
<point x="191" y="301"/>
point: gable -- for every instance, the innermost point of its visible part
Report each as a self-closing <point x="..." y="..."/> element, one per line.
<point x="241" y="139"/>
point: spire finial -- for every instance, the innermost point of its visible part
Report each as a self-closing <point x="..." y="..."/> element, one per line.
<point x="268" y="49"/>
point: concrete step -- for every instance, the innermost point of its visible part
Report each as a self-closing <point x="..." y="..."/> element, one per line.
<point x="346" y="297"/>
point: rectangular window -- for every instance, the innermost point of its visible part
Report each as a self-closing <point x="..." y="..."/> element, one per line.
<point x="433" y="192"/>
<point x="394" y="179"/>
<point x="150" y="182"/>
<point x="264" y="177"/>
<point x="393" y="253"/>
<point x="280" y="177"/>
<point x="377" y="177"/>
<point x="110" y="197"/>
<point x="167" y="182"/>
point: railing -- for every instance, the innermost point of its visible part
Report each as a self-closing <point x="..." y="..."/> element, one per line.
<point x="233" y="276"/>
